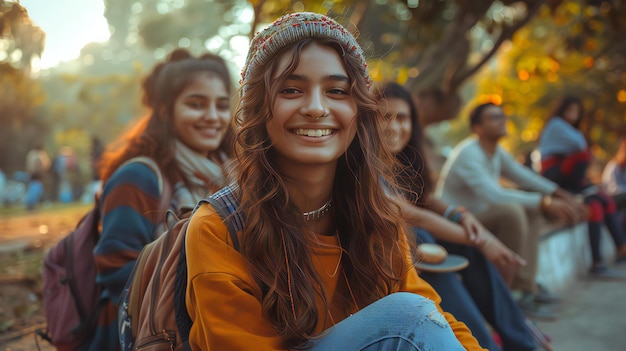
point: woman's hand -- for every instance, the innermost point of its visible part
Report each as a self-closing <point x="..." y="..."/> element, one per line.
<point x="496" y="252"/>
<point x="577" y="202"/>
<point x="476" y="233"/>
<point x="503" y="258"/>
<point x="566" y="211"/>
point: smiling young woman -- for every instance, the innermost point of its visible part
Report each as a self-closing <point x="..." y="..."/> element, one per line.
<point x="202" y="114"/>
<point x="187" y="139"/>
<point x="477" y="293"/>
<point x="313" y="114"/>
<point x="323" y="260"/>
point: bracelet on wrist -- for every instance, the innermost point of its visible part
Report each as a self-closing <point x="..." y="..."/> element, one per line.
<point x="457" y="217"/>
<point x="454" y="214"/>
<point x="546" y="201"/>
<point x="448" y="211"/>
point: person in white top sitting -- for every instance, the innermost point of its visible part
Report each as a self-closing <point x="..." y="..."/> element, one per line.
<point x="470" y="177"/>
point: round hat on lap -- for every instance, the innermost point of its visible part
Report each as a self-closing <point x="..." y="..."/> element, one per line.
<point x="434" y="258"/>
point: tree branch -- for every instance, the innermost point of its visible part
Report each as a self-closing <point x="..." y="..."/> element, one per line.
<point x="461" y="25"/>
<point x="255" y="21"/>
<point x="506" y="34"/>
<point x="357" y="15"/>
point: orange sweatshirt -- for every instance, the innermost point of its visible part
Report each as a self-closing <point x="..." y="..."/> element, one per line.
<point x="224" y="301"/>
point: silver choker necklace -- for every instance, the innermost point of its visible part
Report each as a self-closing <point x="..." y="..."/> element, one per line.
<point x="320" y="212"/>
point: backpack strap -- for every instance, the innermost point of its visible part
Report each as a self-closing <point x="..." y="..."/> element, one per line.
<point x="225" y="204"/>
<point x="165" y="188"/>
<point x="134" y="296"/>
<point x="183" y="321"/>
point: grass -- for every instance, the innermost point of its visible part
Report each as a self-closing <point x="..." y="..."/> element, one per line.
<point x="22" y="264"/>
<point x="26" y="262"/>
<point x="21" y="261"/>
<point x="18" y="210"/>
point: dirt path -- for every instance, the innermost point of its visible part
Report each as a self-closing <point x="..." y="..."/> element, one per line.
<point x="42" y="225"/>
<point x="23" y="241"/>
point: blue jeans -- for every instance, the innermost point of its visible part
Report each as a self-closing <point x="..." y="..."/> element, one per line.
<point x="480" y="295"/>
<point x="400" y="321"/>
<point x="33" y="195"/>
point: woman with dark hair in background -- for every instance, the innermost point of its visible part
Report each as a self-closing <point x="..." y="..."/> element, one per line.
<point x="481" y="294"/>
<point x="565" y="158"/>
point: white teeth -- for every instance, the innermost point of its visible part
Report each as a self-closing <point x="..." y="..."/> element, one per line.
<point x="313" y="132"/>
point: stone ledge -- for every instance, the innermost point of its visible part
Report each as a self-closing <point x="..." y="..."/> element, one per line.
<point x="565" y="255"/>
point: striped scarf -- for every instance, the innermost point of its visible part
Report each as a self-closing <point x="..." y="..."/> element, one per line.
<point x="203" y="175"/>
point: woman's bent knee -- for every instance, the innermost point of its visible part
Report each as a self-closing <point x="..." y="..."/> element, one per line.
<point x="405" y="305"/>
<point x="406" y="320"/>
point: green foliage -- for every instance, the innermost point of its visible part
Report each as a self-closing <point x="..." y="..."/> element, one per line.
<point x="432" y="46"/>
<point x="22" y="125"/>
<point x="572" y="49"/>
<point x="20" y="39"/>
<point x="86" y="106"/>
<point x="191" y="22"/>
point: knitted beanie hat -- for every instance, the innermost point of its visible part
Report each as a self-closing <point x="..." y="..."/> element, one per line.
<point x="292" y="28"/>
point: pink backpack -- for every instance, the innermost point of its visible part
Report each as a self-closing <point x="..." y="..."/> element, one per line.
<point x="70" y="293"/>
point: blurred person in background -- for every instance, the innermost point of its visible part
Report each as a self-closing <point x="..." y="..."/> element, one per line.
<point x="565" y="159"/>
<point x="614" y="179"/>
<point x="37" y="166"/>
<point x="65" y="172"/>
<point x="94" y="184"/>
<point x="471" y="176"/>
<point x="3" y="184"/>
<point x="481" y="294"/>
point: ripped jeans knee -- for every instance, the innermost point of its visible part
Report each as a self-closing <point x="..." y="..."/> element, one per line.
<point x="400" y="321"/>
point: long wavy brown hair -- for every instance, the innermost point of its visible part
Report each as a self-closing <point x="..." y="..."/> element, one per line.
<point x="274" y="243"/>
<point x="154" y="135"/>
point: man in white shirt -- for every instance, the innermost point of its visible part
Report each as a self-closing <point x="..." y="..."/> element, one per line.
<point x="471" y="176"/>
